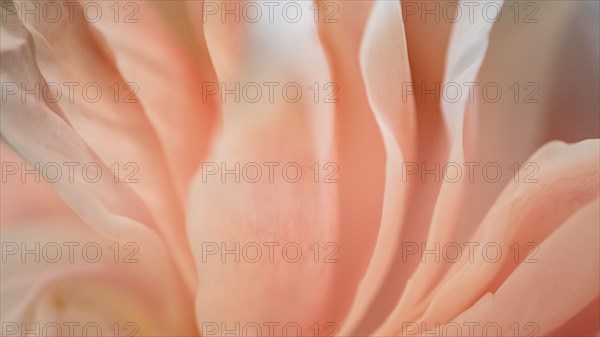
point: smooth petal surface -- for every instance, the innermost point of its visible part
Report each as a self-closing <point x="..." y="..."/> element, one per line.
<point x="110" y="121"/>
<point x="520" y="217"/>
<point x="42" y="199"/>
<point x="71" y="275"/>
<point x="551" y="63"/>
<point x="259" y="218"/>
<point x="60" y="276"/>
<point x="253" y="225"/>
<point x="359" y="146"/>
<point x="567" y="272"/>
<point x="226" y="30"/>
<point x="568" y="175"/>
<point x="254" y="174"/>
<point x="172" y="97"/>
<point x="38" y="132"/>
<point x="385" y="44"/>
<point x="466" y="52"/>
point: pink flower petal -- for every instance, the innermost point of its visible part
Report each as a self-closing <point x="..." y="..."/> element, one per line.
<point x="384" y="44"/>
<point x="563" y="276"/>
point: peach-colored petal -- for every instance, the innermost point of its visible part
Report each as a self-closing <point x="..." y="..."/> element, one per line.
<point x="225" y="212"/>
<point x="359" y="144"/>
<point x="226" y="31"/>
<point x="549" y="87"/>
<point x="114" y="126"/>
<point x="427" y="37"/>
<point x="38" y="133"/>
<point x="243" y="213"/>
<point x="466" y="52"/>
<point x="567" y="274"/>
<point x="428" y="40"/>
<point x="172" y="97"/>
<point x="24" y="198"/>
<point x="72" y="274"/>
<point x="568" y="178"/>
<point x="384" y="44"/>
<point x="585" y="323"/>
